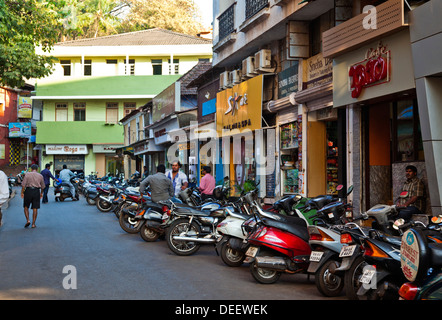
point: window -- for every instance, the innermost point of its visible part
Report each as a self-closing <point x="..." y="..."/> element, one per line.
<point x="157" y="66"/>
<point x="66" y="65"/>
<point x="61" y="112"/>
<point x="79" y="111"/>
<point x="87" y="67"/>
<point x="176" y="65"/>
<point x="112" y="112"/>
<point x="111" y="61"/>
<point x="407" y="131"/>
<point x="129" y="107"/>
<point x="131" y="70"/>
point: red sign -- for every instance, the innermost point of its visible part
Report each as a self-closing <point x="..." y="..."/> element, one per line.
<point x="374" y="70"/>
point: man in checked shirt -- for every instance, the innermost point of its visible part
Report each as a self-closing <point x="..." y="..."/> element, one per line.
<point x="414" y="202"/>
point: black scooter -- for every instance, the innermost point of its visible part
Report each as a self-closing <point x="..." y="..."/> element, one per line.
<point x="62" y="190"/>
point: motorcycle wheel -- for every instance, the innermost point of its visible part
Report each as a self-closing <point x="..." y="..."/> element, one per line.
<point x="103" y="205"/>
<point x="90" y="201"/>
<point x="178" y="227"/>
<point x="264" y="275"/>
<point x="231" y="257"/>
<point x="351" y="278"/>
<point x="328" y="284"/>
<point x="128" y="224"/>
<point x="148" y="234"/>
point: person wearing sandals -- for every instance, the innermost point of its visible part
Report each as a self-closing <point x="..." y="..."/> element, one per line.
<point x="31" y="192"/>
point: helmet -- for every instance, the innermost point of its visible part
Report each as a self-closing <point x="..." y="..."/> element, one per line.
<point x="218" y="193"/>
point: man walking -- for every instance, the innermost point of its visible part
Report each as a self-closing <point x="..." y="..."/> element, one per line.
<point x="65" y="176"/>
<point x="161" y="187"/>
<point x="31" y="192"/>
<point x="4" y="192"/>
<point x="178" y="178"/>
<point x="46" y="173"/>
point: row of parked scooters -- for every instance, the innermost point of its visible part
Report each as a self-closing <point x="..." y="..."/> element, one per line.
<point x="381" y="258"/>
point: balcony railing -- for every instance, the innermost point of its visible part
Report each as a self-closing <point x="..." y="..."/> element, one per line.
<point x="226" y="22"/>
<point x="254" y="6"/>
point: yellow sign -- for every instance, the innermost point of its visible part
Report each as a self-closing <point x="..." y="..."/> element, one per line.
<point x="24" y="107"/>
<point x="240" y="107"/>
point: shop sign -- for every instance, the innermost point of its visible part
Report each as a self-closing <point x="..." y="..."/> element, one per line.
<point x="66" y="149"/>
<point x="409" y="255"/>
<point x="317" y="70"/>
<point x="373" y="70"/>
<point x="166" y="102"/>
<point x="105" y="148"/>
<point x="24" y="107"/>
<point x="19" y="129"/>
<point x="288" y="81"/>
<point x="240" y="107"/>
<point x="142" y="148"/>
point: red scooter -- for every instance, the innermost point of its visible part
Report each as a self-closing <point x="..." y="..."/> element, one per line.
<point x="278" y="244"/>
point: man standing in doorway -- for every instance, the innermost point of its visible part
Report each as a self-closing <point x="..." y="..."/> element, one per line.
<point x="31" y="192"/>
<point x="178" y="178"/>
<point x="47" y="175"/>
<point x="413" y="202"/>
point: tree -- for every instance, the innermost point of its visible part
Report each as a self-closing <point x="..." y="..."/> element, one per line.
<point x="25" y="25"/>
<point x="175" y="15"/>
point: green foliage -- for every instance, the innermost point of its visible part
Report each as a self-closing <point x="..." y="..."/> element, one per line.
<point x="25" y="25"/>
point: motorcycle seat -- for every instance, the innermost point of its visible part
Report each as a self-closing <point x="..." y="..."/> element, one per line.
<point x="435" y="254"/>
<point x="393" y="240"/>
<point x="296" y="226"/>
<point x="154" y="206"/>
<point x="191" y="211"/>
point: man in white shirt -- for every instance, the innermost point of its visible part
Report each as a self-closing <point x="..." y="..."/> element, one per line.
<point x="4" y="191"/>
<point x="178" y="178"/>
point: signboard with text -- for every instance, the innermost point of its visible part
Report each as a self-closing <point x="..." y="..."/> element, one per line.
<point x="240" y="107"/>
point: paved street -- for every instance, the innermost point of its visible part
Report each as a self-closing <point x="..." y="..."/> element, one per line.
<point x="112" y="264"/>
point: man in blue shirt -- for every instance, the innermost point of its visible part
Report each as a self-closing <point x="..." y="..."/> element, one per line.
<point x="46" y="173"/>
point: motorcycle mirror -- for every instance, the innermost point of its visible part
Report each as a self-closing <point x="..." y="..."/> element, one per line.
<point x="398" y="223"/>
<point x="349" y="190"/>
<point x="339" y="187"/>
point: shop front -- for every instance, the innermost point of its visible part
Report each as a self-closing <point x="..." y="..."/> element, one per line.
<point x="323" y="137"/>
<point x="75" y="157"/>
<point x="106" y="160"/>
<point x="376" y="84"/>
<point x="238" y="117"/>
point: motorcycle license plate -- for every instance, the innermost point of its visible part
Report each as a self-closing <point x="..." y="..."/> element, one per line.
<point x="58" y="194"/>
<point x="315" y="256"/>
<point x="367" y="275"/>
<point x="347" y="251"/>
<point x="252" y="251"/>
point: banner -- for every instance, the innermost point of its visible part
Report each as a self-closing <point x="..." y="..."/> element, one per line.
<point x="240" y="107"/>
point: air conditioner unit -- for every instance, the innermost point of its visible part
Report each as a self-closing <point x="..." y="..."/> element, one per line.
<point x="248" y="68"/>
<point x="235" y="76"/>
<point x="223" y="80"/>
<point x="263" y="61"/>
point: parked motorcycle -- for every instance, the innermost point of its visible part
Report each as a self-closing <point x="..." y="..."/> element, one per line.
<point x="233" y="244"/>
<point x="325" y="236"/>
<point x="277" y="245"/>
<point x="62" y="190"/>
<point x="421" y="264"/>
<point x="192" y="227"/>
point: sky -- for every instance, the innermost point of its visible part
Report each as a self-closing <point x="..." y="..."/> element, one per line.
<point x="206" y="11"/>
